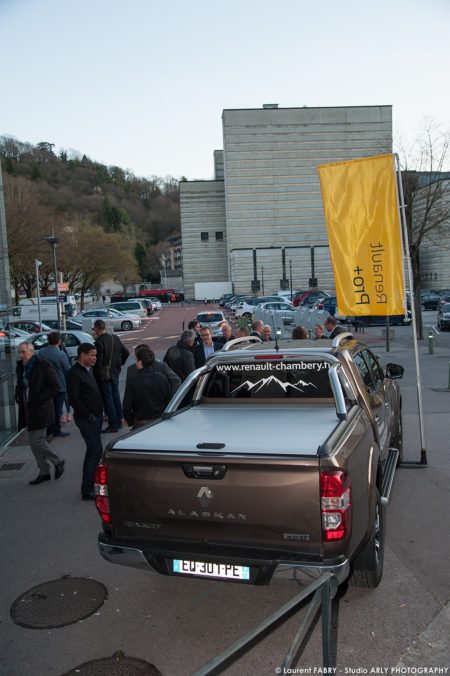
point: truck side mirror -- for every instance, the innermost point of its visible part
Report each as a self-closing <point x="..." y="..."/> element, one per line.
<point x="394" y="371"/>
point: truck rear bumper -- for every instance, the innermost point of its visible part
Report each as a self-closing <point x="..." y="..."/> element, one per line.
<point x="135" y="558"/>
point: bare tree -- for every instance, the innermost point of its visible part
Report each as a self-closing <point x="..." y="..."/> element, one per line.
<point x="425" y="188"/>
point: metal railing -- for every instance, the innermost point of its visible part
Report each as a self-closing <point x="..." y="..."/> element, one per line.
<point x="322" y="591"/>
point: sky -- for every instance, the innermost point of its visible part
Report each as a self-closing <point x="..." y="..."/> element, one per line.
<point x="142" y="84"/>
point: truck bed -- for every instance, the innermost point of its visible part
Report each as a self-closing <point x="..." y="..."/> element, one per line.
<point x="264" y="430"/>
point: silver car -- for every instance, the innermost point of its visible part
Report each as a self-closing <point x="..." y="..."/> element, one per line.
<point x="69" y="340"/>
<point x="118" y="320"/>
<point x="284" y="310"/>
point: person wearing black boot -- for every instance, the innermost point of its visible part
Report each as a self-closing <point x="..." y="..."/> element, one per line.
<point x="37" y="385"/>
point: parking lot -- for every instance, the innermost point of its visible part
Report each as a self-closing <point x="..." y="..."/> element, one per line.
<point x="178" y="624"/>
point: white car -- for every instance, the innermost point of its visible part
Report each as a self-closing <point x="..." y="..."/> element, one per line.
<point x="213" y="320"/>
<point x="156" y="303"/>
<point x="69" y="340"/>
<point x="118" y="320"/>
<point x="130" y="307"/>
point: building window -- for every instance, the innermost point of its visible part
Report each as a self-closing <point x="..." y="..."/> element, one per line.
<point x="219" y="236"/>
<point x="204" y="236"/>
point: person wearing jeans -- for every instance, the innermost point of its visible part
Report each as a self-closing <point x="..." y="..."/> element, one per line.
<point x="111" y="356"/>
<point x="86" y="400"/>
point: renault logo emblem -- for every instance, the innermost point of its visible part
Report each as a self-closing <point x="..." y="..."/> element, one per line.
<point x="205" y="496"/>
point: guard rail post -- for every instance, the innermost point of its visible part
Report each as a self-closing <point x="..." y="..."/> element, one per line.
<point x="430" y="342"/>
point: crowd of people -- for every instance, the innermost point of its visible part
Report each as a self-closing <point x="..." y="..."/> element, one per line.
<point x="46" y="381"/>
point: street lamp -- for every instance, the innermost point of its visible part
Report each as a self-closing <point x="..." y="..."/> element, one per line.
<point x="53" y="242"/>
<point x="38" y="291"/>
<point x="290" y="276"/>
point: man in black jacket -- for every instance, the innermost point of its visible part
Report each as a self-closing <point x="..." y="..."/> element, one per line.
<point x="86" y="400"/>
<point x="147" y="391"/>
<point x="37" y="384"/>
<point x="160" y="366"/>
<point x="111" y="356"/>
<point x="331" y="325"/>
<point x="180" y="357"/>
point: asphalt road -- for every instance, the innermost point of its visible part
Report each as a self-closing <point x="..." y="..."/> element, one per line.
<point x="178" y="624"/>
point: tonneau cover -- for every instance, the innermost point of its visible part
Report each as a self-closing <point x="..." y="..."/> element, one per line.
<point x="263" y="430"/>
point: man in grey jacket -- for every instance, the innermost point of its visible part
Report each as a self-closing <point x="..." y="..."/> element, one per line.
<point x="60" y="362"/>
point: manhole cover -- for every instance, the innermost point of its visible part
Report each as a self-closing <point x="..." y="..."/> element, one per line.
<point x="10" y="466"/>
<point x="58" y="603"/>
<point x="115" y="666"/>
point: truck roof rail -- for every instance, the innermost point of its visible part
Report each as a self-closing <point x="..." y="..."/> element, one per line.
<point x="341" y="337"/>
<point x="243" y="342"/>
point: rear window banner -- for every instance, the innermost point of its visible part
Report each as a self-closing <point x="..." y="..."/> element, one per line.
<point x="304" y="379"/>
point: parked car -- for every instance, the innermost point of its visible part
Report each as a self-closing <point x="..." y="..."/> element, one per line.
<point x="443" y="316"/>
<point x="11" y="338"/>
<point x="376" y="320"/>
<point x="246" y="308"/>
<point x="309" y="298"/>
<point x="223" y="299"/>
<point x="130" y="307"/>
<point x="213" y="320"/>
<point x="28" y="325"/>
<point x="429" y="300"/>
<point x="69" y="340"/>
<point x="118" y="320"/>
<point x="71" y="325"/>
<point x="155" y="302"/>
<point x="284" y="310"/>
<point x="146" y="302"/>
<point x="444" y="299"/>
<point x="328" y="303"/>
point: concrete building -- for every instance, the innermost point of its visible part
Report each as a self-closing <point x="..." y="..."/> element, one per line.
<point x="435" y="247"/>
<point x="260" y="221"/>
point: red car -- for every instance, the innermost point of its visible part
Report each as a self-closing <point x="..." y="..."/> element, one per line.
<point x="308" y="297"/>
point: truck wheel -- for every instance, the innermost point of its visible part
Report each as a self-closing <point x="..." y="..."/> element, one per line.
<point x="368" y="564"/>
<point x="127" y="326"/>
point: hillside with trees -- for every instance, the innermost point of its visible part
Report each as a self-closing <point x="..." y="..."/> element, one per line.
<point x="109" y="222"/>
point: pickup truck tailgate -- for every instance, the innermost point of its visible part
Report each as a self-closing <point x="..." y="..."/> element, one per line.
<point x="256" y="499"/>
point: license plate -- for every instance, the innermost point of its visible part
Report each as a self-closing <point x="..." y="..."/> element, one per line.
<point x="202" y="569"/>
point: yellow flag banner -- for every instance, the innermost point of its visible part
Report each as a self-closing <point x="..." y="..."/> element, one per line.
<point x="361" y="214"/>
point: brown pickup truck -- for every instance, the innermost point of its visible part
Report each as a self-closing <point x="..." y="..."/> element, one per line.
<point x="267" y="458"/>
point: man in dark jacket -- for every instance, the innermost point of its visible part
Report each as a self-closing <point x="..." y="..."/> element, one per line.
<point x="203" y="352"/>
<point x="86" y="400"/>
<point x="180" y="357"/>
<point x="160" y="366"/>
<point x="111" y="356"/>
<point x="60" y="363"/>
<point x="227" y="335"/>
<point x="147" y="391"/>
<point x="331" y="325"/>
<point x="37" y="384"/>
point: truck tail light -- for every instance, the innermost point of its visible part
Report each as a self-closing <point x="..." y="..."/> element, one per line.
<point x="101" y="493"/>
<point x="335" y="505"/>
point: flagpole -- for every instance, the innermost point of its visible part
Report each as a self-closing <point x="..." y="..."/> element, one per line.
<point x="402" y="207"/>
